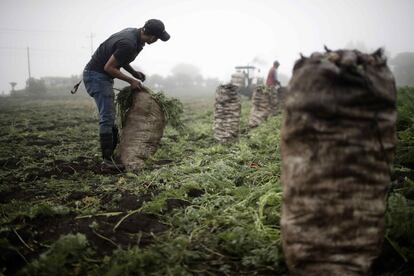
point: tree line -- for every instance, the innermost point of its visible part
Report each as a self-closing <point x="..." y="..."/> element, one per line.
<point x="185" y="80"/>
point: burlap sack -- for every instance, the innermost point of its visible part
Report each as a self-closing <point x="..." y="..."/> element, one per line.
<point x="142" y="132"/>
<point x="261" y="106"/>
<point x="337" y="146"/>
<point x="277" y="99"/>
<point x="274" y="107"/>
<point x="227" y="111"/>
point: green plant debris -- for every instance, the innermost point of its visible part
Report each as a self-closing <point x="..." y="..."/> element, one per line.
<point x="68" y="255"/>
<point x="171" y="107"/>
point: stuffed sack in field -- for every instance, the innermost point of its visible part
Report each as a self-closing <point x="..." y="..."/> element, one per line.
<point x="337" y="145"/>
<point x="144" y="115"/>
<point x="227" y="112"/>
<point x="261" y="105"/>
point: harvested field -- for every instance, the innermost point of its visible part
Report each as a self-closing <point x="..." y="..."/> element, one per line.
<point x="198" y="207"/>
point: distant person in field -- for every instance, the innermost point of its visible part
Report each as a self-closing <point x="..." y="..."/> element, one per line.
<point x="272" y="81"/>
<point x="119" y="50"/>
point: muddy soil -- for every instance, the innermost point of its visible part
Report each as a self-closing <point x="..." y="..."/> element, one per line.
<point x="40" y="232"/>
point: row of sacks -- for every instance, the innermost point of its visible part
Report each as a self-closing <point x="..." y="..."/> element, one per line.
<point x="338" y="140"/>
<point x="266" y="101"/>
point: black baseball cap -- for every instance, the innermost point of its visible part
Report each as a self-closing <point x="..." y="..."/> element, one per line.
<point x="157" y="28"/>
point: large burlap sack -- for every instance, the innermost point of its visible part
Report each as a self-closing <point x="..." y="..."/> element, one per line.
<point x="281" y="96"/>
<point x="337" y="146"/>
<point x="273" y="101"/>
<point x="227" y="112"/>
<point x="142" y="131"/>
<point x="277" y="99"/>
<point x="261" y="105"/>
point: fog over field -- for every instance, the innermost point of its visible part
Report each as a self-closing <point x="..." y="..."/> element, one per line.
<point x="216" y="161"/>
<point x="213" y="35"/>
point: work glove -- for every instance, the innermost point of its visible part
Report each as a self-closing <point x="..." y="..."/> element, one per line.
<point x="140" y="76"/>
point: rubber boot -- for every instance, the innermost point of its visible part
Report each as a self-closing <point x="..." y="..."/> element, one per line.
<point x="115" y="137"/>
<point x="107" y="148"/>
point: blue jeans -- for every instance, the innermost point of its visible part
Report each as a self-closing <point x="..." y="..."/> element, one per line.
<point x="100" y="87"/>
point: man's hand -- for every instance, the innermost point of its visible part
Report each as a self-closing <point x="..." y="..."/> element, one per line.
<point x="136" y="85"/>
<point x="139" y="75"/>
<point x="135" y="74"/>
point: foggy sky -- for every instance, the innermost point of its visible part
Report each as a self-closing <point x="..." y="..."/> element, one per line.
<point x="214" y="35"/>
